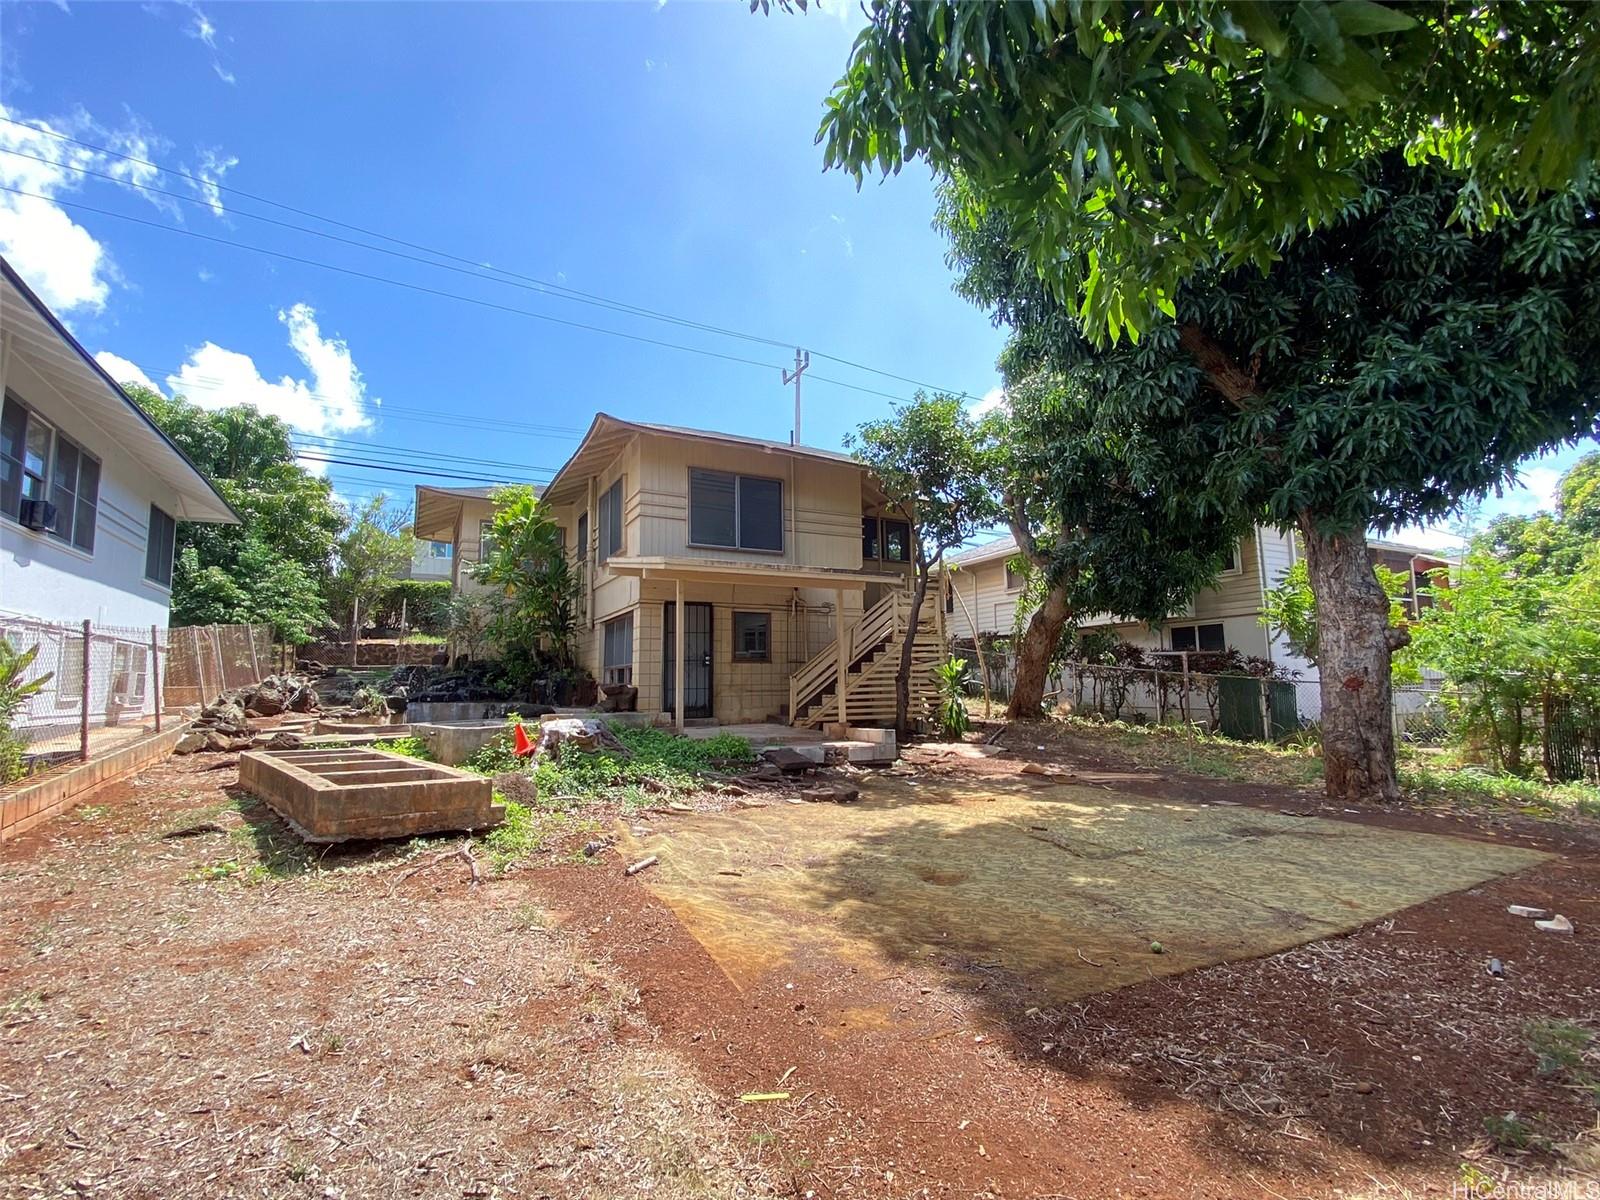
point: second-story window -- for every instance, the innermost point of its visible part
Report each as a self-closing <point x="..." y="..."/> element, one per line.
<point x="896" y="541"/>
<point x="740" y="512"/>
<point x="609" y="517"/>
<point x="869" y="539"/>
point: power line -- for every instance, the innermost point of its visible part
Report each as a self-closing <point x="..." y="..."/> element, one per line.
<point x="430" y="291"/>
<point x="339" y="445"/>
<point x="403" y="470"/>
<point x="377" y="409"/>
<point x="561" y="290"/>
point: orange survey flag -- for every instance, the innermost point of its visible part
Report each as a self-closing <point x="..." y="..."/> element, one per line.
<point x="524" y="747"/>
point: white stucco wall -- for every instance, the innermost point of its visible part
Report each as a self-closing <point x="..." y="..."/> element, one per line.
<point x="47" y="579"/>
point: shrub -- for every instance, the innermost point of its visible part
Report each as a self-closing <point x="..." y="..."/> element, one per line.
<point x="426" y="604"/>
<point x="952" y="681"/>
<point x="15" y="689"/>
<point x="659" y="764"/>
<point x="411" y="747"/>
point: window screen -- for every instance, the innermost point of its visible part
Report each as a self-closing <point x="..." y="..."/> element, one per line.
<point x="760" y="513"/>
<point x="158" y="547"/>
<point x="742" y="512"/>
<point x="1013" y="578"/>
<point x="869" y="539"/>
<point x="610" y="515"/>
<point x="713" y="503"/>
<point x="618" y="660"/>
<point x="752" y="637"/>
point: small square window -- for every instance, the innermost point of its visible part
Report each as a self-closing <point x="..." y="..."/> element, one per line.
<point x="752" y="637"/>
<point x="1014" y="579"/>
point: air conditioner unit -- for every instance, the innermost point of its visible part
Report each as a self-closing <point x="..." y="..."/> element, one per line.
<point x="39" y="515"/>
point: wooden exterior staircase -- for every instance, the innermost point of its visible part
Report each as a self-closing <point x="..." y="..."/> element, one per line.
<point x="872" y="656"/>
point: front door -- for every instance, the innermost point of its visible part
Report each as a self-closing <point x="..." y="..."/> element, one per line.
<point x="696" y="659"/>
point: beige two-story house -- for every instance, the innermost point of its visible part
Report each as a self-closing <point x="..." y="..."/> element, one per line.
<point x="727" y="578"/>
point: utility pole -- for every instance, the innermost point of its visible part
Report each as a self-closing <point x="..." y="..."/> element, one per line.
<point x="802" y="360"/>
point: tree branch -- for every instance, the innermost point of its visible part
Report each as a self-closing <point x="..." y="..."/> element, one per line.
<point x="1235" y="383"/>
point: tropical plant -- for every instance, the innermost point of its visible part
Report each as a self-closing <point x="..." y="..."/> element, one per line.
<point x="15" y="689"/>
<point x="1524" y="651"/>
<point x="1101" y="525"/>
<point x="535" y="611"/>
<point x="466" y="623"/>
<point x="951" y="676"/>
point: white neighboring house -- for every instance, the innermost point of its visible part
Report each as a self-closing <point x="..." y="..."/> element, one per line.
<point x="1225" y="616"/>
<point x="90" y="495"/>
<point x="431" y="560"/>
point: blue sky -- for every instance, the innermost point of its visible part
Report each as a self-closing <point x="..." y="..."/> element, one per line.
<point x="661" y="156"/>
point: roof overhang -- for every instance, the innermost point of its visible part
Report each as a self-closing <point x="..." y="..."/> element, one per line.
<point x="608" y="435"/>
<point x="710" y="570"/>
<point x="436" y="509"/>
<point x="34" y="333"/>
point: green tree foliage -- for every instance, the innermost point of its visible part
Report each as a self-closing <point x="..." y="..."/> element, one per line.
<point x="374" y="548"/>
<point x="1524" y="647"/>
<point x="1290" y="609"/>
<point x="1106" y="520"/>
<point x="287" y="535"/>
<point x="263" y="586"/>
<point x="535" y="617"/>
<point x="424" y="603"/>
<point x="1557" y="541"/>
<point x="932" y="465"/>
<point x="1385" y="368"/>
<point x="1134" y="144"/>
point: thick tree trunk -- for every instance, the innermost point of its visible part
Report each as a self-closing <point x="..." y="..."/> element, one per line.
<point x="902" y="677"/>
<point x="1354" y="647"/>
<point x="1034" y="654"/>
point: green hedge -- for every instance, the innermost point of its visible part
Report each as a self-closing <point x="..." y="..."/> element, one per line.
<point x="425" y="602"/>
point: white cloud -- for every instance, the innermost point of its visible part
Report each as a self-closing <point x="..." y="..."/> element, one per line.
<point x="204" y="30"/>
<point x="994" y="398"/>
<point x="122" y="370"/>
<point x="71" y="269"/>
<point x="213" y="166"/>
<point x="334" y="400"/>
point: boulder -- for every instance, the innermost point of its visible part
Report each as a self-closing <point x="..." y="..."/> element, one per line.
<point x="191" y="742"/>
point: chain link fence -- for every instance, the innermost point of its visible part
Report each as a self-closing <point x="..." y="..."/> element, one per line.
<point x="203" y="661"/>
<point x="90" y="688"/>
<point x="1248" y="707"/>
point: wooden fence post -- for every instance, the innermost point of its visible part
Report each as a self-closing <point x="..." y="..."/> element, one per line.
<point x="83" y="708"/>
<point x="155" y="674"/>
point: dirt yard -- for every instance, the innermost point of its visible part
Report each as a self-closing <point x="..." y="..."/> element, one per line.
<point x="193" y="1005"/>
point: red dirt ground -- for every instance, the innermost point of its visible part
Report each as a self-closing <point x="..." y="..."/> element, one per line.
<point x="558" y="1032"/>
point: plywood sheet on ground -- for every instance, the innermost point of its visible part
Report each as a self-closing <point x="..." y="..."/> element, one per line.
<point x="1065" y="885"/>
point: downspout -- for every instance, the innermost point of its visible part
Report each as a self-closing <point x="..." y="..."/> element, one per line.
<point x="1261" y="596"/>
